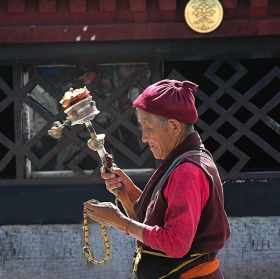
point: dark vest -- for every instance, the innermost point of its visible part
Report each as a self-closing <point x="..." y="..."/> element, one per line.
<point x="213" y="227"/>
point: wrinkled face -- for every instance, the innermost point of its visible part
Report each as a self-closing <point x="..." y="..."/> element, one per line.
<point x="159" y="135"/>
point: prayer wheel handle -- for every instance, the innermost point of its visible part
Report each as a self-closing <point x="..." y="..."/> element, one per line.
<point x="108" y="165"/>
<point x="120" y="194"/>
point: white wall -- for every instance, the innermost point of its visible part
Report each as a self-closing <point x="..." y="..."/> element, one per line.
<point x="54" y="251"/>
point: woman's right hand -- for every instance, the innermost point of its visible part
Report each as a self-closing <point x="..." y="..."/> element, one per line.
<point x="116" y="181"/>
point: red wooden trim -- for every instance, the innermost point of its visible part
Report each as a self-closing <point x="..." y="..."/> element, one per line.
<point x="16" y="6"/>
<point x="139" y="10"/>
<point x="138" y="6"/>
<point x="145" y="31"/>
<point x="58" y="18"/>
<point x="259" y="8"/>
<point x="167" y="5"/>
<point x="47" y="6"/>
<point x="108" y="5"/>
<point x="77" y="6"/>
<point x="230" y="7"/>
<point x="230" y="4"/>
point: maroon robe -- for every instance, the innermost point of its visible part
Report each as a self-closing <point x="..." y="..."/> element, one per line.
<point x="213" y="227"/>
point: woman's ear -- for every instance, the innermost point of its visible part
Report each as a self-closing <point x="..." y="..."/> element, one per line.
<point x="175" y="126"/>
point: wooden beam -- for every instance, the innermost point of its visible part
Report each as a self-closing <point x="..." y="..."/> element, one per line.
<point x="108" y="5"/>
<point x="167" y="5"/>
<point x="47" y="6"/>
<point x="230" y="7"/>
<point x="230" y="4"/>
<point x="259" y="8"/>
<point x="132" y="32"/>
<point x="138" y="5"/>
<point x="77" y="6"/>
<point x="16" y="6"/>
<point x="139" y="10"/>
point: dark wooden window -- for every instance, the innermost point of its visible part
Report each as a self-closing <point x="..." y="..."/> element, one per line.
<point x="239" y="107"/>
<point x="114" y="86"/>
<point x="238" y="103"/>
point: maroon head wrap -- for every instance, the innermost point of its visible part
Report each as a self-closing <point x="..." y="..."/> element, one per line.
<point x="172" y="99"/>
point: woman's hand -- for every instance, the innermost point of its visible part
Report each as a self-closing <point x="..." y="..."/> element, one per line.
<point x="107" y="214"/>
<point x="116" y="181"/>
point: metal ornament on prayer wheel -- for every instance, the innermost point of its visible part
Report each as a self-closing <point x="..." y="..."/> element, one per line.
<point x="80" y="110"/>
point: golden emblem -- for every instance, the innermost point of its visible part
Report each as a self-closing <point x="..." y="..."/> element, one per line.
<point x="204" y="16"/>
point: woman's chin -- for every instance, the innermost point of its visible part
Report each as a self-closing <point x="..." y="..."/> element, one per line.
<point x="154" y="153"/>
<point x="156" y="156"/>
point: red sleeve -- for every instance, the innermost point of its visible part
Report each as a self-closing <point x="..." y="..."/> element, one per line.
<point x="186" y="193"/>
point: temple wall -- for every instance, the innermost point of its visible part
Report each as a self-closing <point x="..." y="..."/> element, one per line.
<point x="54" y="251"/>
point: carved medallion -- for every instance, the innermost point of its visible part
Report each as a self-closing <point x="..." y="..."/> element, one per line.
<point x="204" y="16"/>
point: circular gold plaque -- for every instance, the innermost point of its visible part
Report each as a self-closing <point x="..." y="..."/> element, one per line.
<point x="204" y="16"/>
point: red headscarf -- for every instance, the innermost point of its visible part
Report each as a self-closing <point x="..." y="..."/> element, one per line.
<point x="172" y="99"/>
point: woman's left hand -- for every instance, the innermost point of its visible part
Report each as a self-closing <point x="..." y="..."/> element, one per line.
<point x="106" y="213"/>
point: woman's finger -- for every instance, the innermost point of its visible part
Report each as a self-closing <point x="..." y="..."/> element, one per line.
<point x="108" y="175"/>
<point x="113" y="184"/>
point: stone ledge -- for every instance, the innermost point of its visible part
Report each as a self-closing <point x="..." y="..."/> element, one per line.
<point x="54" y="251"/>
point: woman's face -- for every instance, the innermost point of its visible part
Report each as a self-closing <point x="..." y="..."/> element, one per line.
<point x="157" y="134"/>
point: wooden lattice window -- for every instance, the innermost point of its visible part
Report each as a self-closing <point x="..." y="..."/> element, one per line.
<point x="239" y="108"/>
<point x="7" y="125"/>
<point x="114" y="87"/>
<point x="238" y="103"/>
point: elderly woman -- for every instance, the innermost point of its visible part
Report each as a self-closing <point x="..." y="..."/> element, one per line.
<point x="179" y="219"/>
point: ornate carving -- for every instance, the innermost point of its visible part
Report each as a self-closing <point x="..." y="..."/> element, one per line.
<point x="204" y="16"/>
